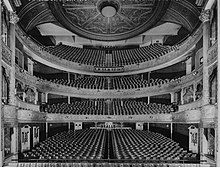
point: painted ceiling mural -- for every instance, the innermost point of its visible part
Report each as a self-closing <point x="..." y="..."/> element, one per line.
<point x="109" y="19"/>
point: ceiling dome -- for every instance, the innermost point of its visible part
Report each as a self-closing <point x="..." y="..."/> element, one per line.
<point x="109" y="20"/>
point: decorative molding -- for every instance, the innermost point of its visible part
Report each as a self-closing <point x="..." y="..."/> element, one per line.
<point x="13" y="18"/>
<point x="168" y="59"/>
<point x="205" y="15"/>
<point x="49" y="87"/>
<point x="131" y="19"/>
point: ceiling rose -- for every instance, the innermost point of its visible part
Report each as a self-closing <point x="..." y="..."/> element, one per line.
<point x="108" y="11"/>
<point x="109" y="20"/>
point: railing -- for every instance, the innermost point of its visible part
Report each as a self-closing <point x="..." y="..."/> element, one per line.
<point x="27" y="106"/>
<point x="47" y="86"/>
<point x="161" y="62"/>
<point x="190" y="106"/>
<point x="111" y="161"/>
<point x="6" y="53"/>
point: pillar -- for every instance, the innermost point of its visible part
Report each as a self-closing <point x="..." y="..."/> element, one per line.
<point x="24" y="96"/>
<point x="205" y="18"/>
<point x="189" y="65"/>
<point x="46" y="97"/>
<point x="46" y="128"/>
<point x="68" y="76"/>
<point x="69" y="126"/>
<point x="14" y="142"/>
<point x="181" y="96"/>
<point x="121" y="124"/>
<point x="148" y="126"/>
<point x="148" y="77"/>
<point x="171" y="130"/>
<point x="1" y="117"/>
<point x="172" y="98"/>
<point x="218" y="95"/>
<point x="148" y="100"/>
<point x="12" y="22"/>
<point x="30" y="66"/>
<point x="36" y="97"/>
<point x="68" y="99"/>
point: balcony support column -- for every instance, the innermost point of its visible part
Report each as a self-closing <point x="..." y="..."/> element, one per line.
<point x="30" y="66"/>
<point x="12" y="22"/>
<point x="189" y="65"/>
<point x="1" y="110"/>
<point x="205" y="18"/>
<point x="14" y="142"/>
<point x="218" y="94"/>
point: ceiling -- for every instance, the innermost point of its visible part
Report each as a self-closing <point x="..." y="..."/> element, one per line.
<point x="109" y="22"/>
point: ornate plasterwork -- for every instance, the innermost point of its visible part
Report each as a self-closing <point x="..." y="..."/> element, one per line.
<point x="205" y="15"/>
<point x="13" y="18"/>
<point x="6" y="54"/>
<point x="49" y="87"/>
<point x="132" y="17"/>
<point x="151" y="65"/>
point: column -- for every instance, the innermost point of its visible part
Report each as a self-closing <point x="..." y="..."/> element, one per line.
<point x="181" y="96"/>
<point x="12" y="22"/>
<point x="46" y="128"/>
<point x="189" y="65"/>
<point x="14" y="142"/>
<point x="171" y="130"/>
<point x="36" y="96"/>
<point x="69" y="126"/>
<point x="172" y="98"/>
<point x="30" y="66"/>
<point x="148" y="100"/>
<point x="205" y="18"/>
<point x="148" y="77"/>
<point x="1" y="119"/>
<point x="148" y="126"/>
<point x="201" y="132"/>
<point x="218" y="96"/>
<point x="46" y="97"/>
<point x="68" y="99"/>
<point x="68" y="76"/>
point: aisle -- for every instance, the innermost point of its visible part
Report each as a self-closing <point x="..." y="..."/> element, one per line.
<point x="108" y="152"/>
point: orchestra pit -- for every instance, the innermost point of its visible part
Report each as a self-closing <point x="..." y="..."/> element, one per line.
<point x="109" y="83"/>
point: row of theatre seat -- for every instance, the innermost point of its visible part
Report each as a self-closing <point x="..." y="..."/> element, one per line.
<point x="136" y="144"/>
<point x="104" y="164"/>
<point x="113" y="108"/>
<point x="112" y="83"/>
<point x="81" y="144"/>
<point x="126" y="144"/>
<point x="97" y="57"/>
